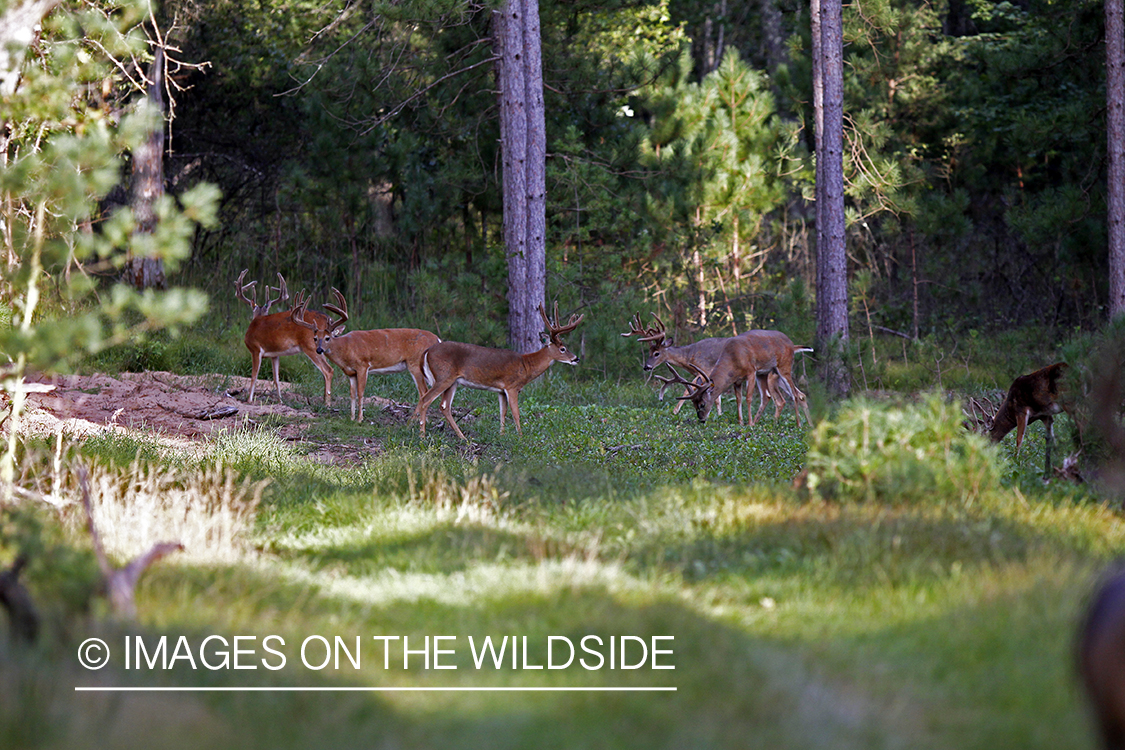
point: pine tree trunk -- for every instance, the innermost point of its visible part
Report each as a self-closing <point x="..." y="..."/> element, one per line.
<point x="1115" y="141"/>
<point x="832" y="289"/>
<point x="523" y="148"/>
<point x="148" y="185"/>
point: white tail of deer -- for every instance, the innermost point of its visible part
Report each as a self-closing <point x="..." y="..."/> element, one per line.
<point x="275" y="335"/>
<point x="450" y="364"/>
<point x="361" y="352"/>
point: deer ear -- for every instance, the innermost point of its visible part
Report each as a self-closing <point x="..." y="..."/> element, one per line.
<point x="544" y="338"/>
<point x="338" y="330"/>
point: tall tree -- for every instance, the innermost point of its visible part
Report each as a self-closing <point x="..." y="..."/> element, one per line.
<point x="1115" y="141"/>
<point x="146" y="271"/>
<point x="524" y="148"/>
<point x="832" y="287"/>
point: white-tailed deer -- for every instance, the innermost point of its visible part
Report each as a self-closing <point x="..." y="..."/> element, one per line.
<point x="778" y="345"/>
<point x="1031" y="398"/>
<point x="275" y="335"/>
<point x="703" y="356"/>
<point x="359" y="352"/>
<point x="450" y="364"/>
<point x="1101" y="659"/>
<point x="739" y="361"/>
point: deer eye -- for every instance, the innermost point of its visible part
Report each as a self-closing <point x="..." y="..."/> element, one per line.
<point x="562" y="349"/>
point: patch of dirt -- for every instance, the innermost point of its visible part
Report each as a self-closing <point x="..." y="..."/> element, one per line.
<point x="183" y="411"/>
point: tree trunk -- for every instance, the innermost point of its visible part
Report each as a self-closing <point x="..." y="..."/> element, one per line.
<point x="1115" y="142"/>
<point x="831" y="258"/>
<point x="148" y="184"/>
<point x="523" y="146"/>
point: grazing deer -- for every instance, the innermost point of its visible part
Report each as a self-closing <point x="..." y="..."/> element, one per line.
<point x="704" y="355"/>
<point x="742" y="359"/>
<point x="662" y="351"/>
<point x="274" y="335"/>
<point x="450" y="364"/>
<point x="1101" y="659"/>
<point x="1031" y="398"/>
<point x="360" y="352"/>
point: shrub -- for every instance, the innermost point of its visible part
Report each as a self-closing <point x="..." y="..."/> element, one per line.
<point x="884" y="453"/>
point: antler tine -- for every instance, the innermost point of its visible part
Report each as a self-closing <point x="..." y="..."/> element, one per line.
<point x="554" y="330"/>
<point x="297" y="314"/>
<point x="282" y="288"/>
<point x="240" y="289"/>
<point x="635" y="327"/>
<point x="341" y="309"/>
<point x="655" y="333"/>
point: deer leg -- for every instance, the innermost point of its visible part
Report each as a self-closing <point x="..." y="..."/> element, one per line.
<point x="428" y="398"/>
<point x="503" y="407"/>
<point x="1049" y="426"/>
<point x="1021" y="425"/>
<point x="447" y="410"/>
<point x="513" y="401"/>
<point x="277" y="377"/>
<point x="680" y="402"/>
<point x="360" y="386"/>
<point x="256" y="356"/>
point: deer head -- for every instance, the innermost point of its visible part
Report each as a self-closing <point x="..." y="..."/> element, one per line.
<point x="553" y="341"/>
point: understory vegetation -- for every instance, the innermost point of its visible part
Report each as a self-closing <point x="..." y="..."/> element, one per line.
<point x="883" y="579"/>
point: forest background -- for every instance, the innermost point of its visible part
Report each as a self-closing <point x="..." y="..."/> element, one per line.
<point x="358" y="147"/>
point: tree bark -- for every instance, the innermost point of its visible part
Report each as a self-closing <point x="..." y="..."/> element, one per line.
<point x="832" y="290"/>
<point x="523" y="148"/>
<point x="1115" y="143"/>
<point x="148" y="184"/>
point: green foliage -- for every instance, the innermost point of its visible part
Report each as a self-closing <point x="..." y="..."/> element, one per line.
<point x="920" y="453"/>
<point x="62" y="576"/>
<point x="63" y="156"/>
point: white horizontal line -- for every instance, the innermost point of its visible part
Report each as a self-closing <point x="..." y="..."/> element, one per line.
<point x="367" y="689"/>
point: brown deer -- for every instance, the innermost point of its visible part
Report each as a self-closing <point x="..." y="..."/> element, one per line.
<point x="662" y="351"/>
<point x="1101" y="659"/>
<point x="742" y="359"/>
<point x="451" y="363"/>
<point x="1031" y="398"/>
<point x="704" y="355"/>
<point x="361" y="352"/>
<point x="275" y="335"/>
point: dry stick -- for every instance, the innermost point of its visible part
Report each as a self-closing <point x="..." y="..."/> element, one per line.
<point x="120" y="583"/>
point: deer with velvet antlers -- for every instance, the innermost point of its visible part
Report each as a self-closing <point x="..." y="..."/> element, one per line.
<point x="703" y="356"/>
<point x="743" y="359"/>
<point x="275" y="335"/>
<point x="361" y="352"/>
<point x="451" y="363"/>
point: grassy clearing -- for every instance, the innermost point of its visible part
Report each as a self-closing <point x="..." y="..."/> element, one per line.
<point x="923" y="594"/>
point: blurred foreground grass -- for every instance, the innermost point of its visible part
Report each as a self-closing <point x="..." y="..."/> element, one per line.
<point x="881" y="606"/>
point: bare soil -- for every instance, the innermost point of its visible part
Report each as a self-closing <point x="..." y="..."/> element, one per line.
<point x="184" y="411"/>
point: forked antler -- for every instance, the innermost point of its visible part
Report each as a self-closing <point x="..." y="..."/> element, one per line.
<point x="657" y="333"/>
<point x="340" y="309"/>
<point x="980" y="414"/>
<point x="701" y="382"/>
<point x="554" y="330"/>
<point x="637" y="329"/>
<point x="241" y="289"/>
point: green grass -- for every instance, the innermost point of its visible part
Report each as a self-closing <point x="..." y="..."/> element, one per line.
<point x="913" y="609"/>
